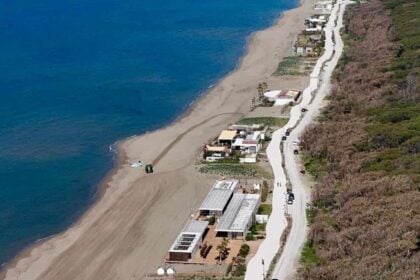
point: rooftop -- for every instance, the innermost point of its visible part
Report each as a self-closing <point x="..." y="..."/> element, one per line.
<point x="216" y="148"/>
<point x="189" y="236"/>
<point x="227" y="135"/>
<point x="219" y="195"/>
<point x="238" y="213"/>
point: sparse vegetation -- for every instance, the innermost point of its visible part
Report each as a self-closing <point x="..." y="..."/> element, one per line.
<point x="265" y="209"/>
<point x="289" y="66"/>
<point x="235" y="169"/>
<point x="365" y="221"/>
<point x="270" y="121"/>
<point x="264" y="191"/>
<point x="309" y="257"/>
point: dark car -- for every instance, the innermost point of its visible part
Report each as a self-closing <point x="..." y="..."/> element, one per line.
<point x="304" y="110"/>
<point x="284" y="138"/>
<point x="290" y="198"/>
<point x="296" y="151"/>
<point x="288" y="131"/>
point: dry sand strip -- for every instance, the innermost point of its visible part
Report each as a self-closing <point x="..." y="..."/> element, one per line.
<point x="127" y="232"/>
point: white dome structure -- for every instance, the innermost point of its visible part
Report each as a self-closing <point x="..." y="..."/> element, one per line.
<point x="170" y="271"/>
<point x="160" y="271"/>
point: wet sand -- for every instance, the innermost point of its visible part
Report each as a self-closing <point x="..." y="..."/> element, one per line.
<point x="128" y="231"/>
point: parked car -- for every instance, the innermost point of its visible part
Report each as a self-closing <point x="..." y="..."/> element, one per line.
<point x="303" y="171"/>
<point x="304" y="110"/>
<point x="288" y="131"/>
<point x="290" y="198"/>
<point x="296" y="151"/>
<point x="284" y="138"/>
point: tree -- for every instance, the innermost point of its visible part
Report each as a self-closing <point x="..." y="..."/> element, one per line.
<point x="260" y="89"/>
<point x="265" y="87"/>
<point x="222" y="248"/>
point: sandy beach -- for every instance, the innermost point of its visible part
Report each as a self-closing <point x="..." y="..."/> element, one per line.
<point x="128" y="231"/>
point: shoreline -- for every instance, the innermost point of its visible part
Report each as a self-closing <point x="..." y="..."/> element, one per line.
<point x="107" y="189"/>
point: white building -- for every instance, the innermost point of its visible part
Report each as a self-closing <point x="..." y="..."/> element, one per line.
<point x="239" y="216"/>
<point x="251" y="144"/>
<point x="324" y="7"/>
<point x="188" y="241"/>
<point x="218" y="197"/>
<point x="282" y="97"/>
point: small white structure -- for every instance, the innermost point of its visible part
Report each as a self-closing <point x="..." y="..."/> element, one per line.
<point x="188" y="241"/>
<point x="214" y="153"/>
<point x="249" y="158"/>
<point x="170" y="270"/>
<point x="239" y="216"/>
<point x="282" y="97"/>
<point x="261" y="219"/>
<point x="246" y="127"/>
<point x="324" y="7"/>
<point x="160" y="271"/>
<point x="218" y="197"/>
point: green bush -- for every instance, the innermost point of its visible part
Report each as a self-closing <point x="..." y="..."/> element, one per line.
<point x="249" y="237"/>
<point x="309" y="257"/>
<point x="243" y="252"/>
<point x="212" y="220"/>
<point x="265" y="209"/>
<point x="239" y="270"/>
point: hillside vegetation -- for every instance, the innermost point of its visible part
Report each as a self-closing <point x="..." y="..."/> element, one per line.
<point x="366" y="152"/>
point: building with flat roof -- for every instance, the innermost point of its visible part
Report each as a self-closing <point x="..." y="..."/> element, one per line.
<point x="188" y="241"/>
<point x="239" y="215"/>
<point x="218" y="197"/>
<point x="226" y="137"/>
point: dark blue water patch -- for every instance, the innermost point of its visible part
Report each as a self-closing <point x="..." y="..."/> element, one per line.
<point x="77" y="75"/>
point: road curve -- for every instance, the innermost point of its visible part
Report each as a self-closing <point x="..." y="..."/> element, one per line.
<point x="312" y="98"/>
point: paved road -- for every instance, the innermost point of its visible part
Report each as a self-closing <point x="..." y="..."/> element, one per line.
<point x="319" y="83"/>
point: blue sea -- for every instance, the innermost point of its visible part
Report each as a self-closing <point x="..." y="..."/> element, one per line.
<point x="78" y="75"/>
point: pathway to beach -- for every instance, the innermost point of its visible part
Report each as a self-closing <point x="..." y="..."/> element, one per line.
<point x="313" y="97"/>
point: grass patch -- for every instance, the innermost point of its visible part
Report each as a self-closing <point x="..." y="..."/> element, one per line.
<point x="315" y="167"/>
<point x="309" y="257"/>
<point x="289" y="66"/>
<point x="234" y="169"/>
<point x="270" y="121"/>
<point x="265" y="209"/>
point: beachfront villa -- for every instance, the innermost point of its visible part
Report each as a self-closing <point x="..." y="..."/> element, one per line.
<point x="226" y="137"/>
<point x="188" y="241"/>
<point x="248" y="143"/>
<point x="239" y="216"/>
<point x="240" y="139"/>
<point x="218" y="198"/>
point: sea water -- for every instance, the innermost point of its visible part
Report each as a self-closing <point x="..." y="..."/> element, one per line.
<point x="77" y="75"/>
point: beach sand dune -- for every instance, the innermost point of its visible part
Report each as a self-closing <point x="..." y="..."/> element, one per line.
<point x="128" y="231"/>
